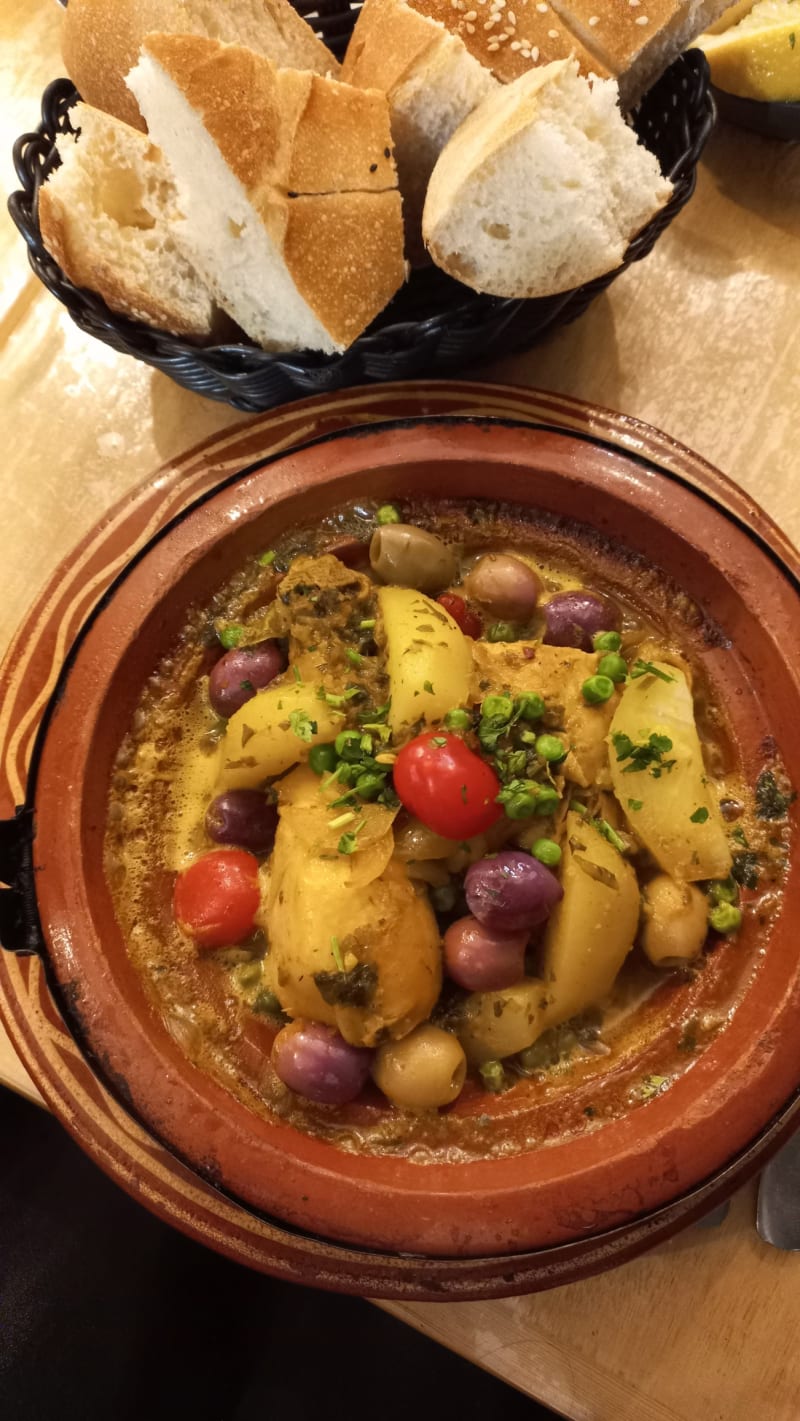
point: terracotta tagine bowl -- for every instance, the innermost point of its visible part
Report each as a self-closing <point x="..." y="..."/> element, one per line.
<point x="594" y="1193"/>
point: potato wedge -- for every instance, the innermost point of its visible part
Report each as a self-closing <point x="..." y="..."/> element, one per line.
<point x="273" y="731"/>
<point x="428" y="658"/>
<point x="592" y="929"/>
<point x="677" y="815"/>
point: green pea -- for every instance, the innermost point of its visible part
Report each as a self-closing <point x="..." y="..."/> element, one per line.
<point x="725" y="918"/>
<point x="387" y="513"/>
<point x="547" y="800"/>
<point x="369" y="786"/>
<point x="613" y="666"/>
<point x="501" y="631"/>
<point x="607" y="641"/>
<point x="547" y="852"/>
<point x="549" y="747"/>
<point x="529" y="706"/>
<point x="724" y="890"/>
<point x="522" y="806"/>
<point x="597" y="690"/>
<point x="497" y="707"/>
<point x="457" y="719"/>
<point x="323" y="759"/>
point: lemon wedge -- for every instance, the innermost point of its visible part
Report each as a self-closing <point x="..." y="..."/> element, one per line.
<point x="731" y="16"/>
<point x="760" y="57"/>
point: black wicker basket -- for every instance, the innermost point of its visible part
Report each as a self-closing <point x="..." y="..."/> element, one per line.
<point x="434" y="324"/>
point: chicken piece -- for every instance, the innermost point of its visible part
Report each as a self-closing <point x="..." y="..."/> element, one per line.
<point x="555" y="673"/>
<point x="353" y="943"/>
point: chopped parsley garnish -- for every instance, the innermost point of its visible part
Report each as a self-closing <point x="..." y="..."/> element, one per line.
<point x="337" y="953"/>
<point x="267" y="559"/>
<point x="647" y="756"/>
<point x="635" y="804"/>
<point x="771" y="801"/>
<point x="303" y="726"/>
<point x="354" y="657"/>
<point x="700" y="816"/>
<point x="426" y="686"/>
<point x="646" y="668"/>
<point x="439" y="741"/>
<point x="367" y="624"/>
<point x="246" y="686"/>
<point x="349" y="842"/>
<point x="296" y="674"/>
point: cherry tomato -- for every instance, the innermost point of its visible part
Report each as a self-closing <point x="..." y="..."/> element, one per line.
<point x="447" y="786"/>
<point x="217" y="896"/>
<point x="470" y="624"/>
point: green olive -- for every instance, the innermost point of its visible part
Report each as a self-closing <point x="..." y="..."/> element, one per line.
<point x="674" y="921"/>
<point x="406" y="556"/>
<point x="423" y="1071"/>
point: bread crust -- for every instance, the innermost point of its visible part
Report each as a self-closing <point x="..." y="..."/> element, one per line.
<point x="512" y="38"/>
<point x="617" y="31"/>
<point x="101" y="40"/>
<point x="345" y="257"/>
<point x="388" y="41"/>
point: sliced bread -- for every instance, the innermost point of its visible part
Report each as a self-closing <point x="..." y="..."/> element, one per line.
<point x="101" y="39"/>
<point x="431" y="82"/>
<point x="287" y="187"/>
<point x="541" y="188"/>
<point x="107" y="218"/>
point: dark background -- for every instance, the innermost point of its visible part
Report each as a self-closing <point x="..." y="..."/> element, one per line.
<point x="106" y="1314"/>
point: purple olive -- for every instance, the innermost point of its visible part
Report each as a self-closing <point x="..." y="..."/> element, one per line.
<point x="483" y="960"/>
<point x="243" y="817"/>
<point x="573" y="618"/>
<point x="505" y="585"/>
<point x="241" y="672"/>
<point x="315" y="1061"/>
<point x="511" y="892"/>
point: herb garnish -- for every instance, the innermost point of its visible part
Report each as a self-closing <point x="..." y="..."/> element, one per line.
<point x="267" y="559"/>
<point x="647" y="668"/>
<point x="646" y="756"/>
<point x="337" y="954"/>
<point x="700" y="816"/>
<point x="426" y="686"/>
<point x="771" y="801"/>
<point x="355" y="988"/>
<point x="635" y="804"/>
<point x="303" y="726"/>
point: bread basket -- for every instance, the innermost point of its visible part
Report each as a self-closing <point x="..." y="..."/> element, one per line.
<point x="433" y="324"/>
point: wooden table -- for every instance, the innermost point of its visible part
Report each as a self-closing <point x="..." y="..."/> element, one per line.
<point x="702" y="339"/>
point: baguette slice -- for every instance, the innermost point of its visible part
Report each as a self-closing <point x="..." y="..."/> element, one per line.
<point x="510" y="39"/>
<point x="431" y="83"/>
<point x="287" y="186"/>
<point x="542" y="187"/>
<point x="107" y="218"/>
<point x="637" y="42"/>
<point x="101" y="39"/>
